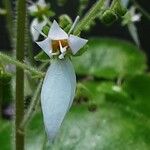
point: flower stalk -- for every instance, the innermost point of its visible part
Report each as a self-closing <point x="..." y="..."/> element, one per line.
<point x="89" y="17"/>
<point x="19" y="102"/>
<point x="31" y="109"/>
<point x="29" y="69"/>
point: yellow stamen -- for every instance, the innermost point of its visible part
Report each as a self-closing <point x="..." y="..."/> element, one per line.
<point x="56" y="45"/>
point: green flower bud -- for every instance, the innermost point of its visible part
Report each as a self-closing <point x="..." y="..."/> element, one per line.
<point x="64" y="21"/>
<point x="108" y="17"/>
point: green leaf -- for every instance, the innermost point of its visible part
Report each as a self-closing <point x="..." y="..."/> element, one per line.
<point x="42" y="57"/>
<point x="138" y="88"/>
<point x="110" y="58"/>
<point x="120" y="121"/>
<point x="114" y="125"/>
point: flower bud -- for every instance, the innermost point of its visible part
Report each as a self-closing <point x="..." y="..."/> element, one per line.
<point x="64" y="21"/>
<point x="108" y="17"/>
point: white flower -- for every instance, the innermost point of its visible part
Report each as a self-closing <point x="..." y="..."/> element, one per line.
<point x="58" y="42"/>
<point x="135" y="17"/>
<point x="59" y="85"/>
<point x="39" y="25"/>
<point x="34" y="6"/>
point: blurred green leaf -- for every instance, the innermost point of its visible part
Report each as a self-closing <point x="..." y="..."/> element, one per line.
<point x="114" y="125"/>
<point x="119" y="121"/>
<point x="110" y="58"/>
<point x="138" y="88"/>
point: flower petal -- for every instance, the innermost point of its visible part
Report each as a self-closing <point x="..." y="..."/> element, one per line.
<point x="56" y="33"/>
<point x="76" y="43"/>
<point x="46" y="46"/>
<point x="136" y="18"/>
<point x="42" y="3"/>
<point x="39" y="26"/>
<point x="55" y="96"/>
<point x="72" y="76"/>
<point x="133" y="31"/>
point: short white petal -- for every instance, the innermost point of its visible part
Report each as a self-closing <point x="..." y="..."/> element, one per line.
<point x="76" y="43"/>
<point x="39" y="26"/>
<point x="55" y="96"/>
<point x="56" y="33"/>
<point x="46" y="46"/>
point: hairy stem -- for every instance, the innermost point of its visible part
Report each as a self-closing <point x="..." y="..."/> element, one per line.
<point x="90" y="16"/>
<point x="8" y="59"/>
<point x="32" y="106"/>
<point x="20" y="44"/>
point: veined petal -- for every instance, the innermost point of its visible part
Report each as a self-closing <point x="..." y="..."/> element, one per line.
<point x="56" y="33"/>
<point x="39" y="26"/>
<point x="46" y="46"/>
<point x="76" y="43"/>
<point x="55" y="96"/>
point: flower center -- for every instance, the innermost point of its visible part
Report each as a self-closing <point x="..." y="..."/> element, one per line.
<point x="57" y="44"/>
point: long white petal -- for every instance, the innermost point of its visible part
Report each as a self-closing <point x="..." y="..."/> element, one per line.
<point x="76" y="43"/>
<point x="46" y="46"/>
<point x="39" y="25"/>
<point x="134" y="33"/>
<point x="56" y="95"/>
<point x="56" y="33"/>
